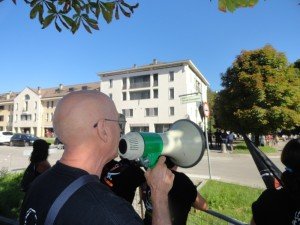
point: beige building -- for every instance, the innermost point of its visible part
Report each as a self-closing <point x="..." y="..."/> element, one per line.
<point x="150" y="96"/>
<point x="31" y="110"/>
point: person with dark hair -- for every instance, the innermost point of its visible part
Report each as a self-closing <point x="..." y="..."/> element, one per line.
<point x="38" y="163"/>
<point x="182" y="196"/>
<point x="282" y="206"/>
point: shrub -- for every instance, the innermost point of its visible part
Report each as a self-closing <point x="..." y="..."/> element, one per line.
<point x="10" y="194"/>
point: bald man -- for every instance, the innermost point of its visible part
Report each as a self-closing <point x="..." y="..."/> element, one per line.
<point x="87" y="123"/>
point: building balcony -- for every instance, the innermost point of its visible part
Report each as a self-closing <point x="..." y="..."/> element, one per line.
<point x="140" y="85"/>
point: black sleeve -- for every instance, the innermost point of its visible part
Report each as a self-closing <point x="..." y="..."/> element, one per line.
<point x="137" y="176"/>
<point x="185" y="187"/>
<point x="263" y="206"/>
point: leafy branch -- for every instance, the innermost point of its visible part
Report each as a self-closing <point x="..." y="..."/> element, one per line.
<point x="71" y="14"/>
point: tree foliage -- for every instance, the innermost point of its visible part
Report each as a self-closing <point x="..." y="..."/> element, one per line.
<point x="261" y="93"/>
<point x="297" y="64"/>
<point x="211" y="96"/>
<point x="71" y="14"/>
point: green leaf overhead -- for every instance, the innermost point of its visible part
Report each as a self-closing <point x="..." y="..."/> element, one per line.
<point x="68" y="12"/>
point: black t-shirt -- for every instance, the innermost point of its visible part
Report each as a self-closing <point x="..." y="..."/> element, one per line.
<point x="181" y="197"/>
<point x="276" y="207"/>
<point x="29" y="175"/>
<point x="92" y="204"/>
<point x="123" y="177"/>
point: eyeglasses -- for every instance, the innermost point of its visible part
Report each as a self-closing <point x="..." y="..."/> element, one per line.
<point x="121" y="122"/>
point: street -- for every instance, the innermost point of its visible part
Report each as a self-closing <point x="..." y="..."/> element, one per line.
<point x="234" y="168"/>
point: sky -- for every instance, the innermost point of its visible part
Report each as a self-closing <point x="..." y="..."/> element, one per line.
<point x="165" y="30"/>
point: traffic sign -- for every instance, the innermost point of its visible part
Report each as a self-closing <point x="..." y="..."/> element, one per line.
<point x="188" y="98"/>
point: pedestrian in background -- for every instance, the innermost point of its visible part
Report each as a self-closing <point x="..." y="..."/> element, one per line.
<point x="38" y="163"/>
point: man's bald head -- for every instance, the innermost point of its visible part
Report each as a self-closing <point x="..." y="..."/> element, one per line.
<point x="77" y="112"/>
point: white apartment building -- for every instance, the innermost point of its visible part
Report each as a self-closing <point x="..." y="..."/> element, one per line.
<point x="149" y="95"/>
<point x="31" y="110"/>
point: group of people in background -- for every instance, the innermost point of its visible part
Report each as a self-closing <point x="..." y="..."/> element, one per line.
<point x="221" y="137"/>
<point x="106" y="197"/>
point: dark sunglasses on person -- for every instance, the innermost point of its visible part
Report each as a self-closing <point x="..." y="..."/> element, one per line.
<point x="121" y="121"/>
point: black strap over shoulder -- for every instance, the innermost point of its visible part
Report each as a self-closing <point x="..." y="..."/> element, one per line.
<point x="65" y="195"/>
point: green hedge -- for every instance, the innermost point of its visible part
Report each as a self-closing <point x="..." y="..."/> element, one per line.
<point x="10" y="194"/>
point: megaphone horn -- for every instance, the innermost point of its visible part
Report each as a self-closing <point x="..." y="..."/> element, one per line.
<point x="184" y="143"/>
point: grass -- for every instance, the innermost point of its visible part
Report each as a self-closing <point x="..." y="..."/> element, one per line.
<point x="10" y="194"/>
<point x="241" y="148"/>
<point x="229" y="199"/>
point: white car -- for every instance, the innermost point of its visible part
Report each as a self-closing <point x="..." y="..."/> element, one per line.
<point x="5" y="136"/>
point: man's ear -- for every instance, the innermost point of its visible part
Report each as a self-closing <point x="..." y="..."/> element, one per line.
<point x="102" y="131"/>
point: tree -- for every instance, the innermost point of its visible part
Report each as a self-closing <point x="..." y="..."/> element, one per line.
<point x="211" y="96"/>
<point x="70" y="14"/>
<point x="297" y="64"/>
<point x="261" y="93"/>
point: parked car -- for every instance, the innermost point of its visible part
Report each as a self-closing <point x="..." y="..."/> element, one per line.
<point x="5" y="137"/>
<point x="22" y="140"/>
<point x="58" y="144"/>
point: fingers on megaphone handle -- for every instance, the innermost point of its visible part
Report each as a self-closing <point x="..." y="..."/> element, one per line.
<point x="160" y="178"/>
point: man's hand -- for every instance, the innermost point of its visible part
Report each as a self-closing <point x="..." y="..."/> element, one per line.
<point x="160" y="180"/>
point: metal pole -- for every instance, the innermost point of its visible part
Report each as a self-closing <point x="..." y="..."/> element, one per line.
<point x="207" y="146"/>
<point x="224" y="217"/>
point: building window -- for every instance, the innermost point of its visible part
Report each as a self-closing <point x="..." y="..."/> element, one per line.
<point x="171" y="111"/>
<point x="110" y="95"/>
<point x="140" y="81"/>
<point x="171" y="76"/>
<point x="1" y="118"/>
<point x="171" y="93"/>
<point x="198" y="86"/>
<point x="155" y="93"/>
<point x="25" y="117"/>
<point x="151" y="111"/>
<point x="110" y="83"/>
<point x="160" y="128"/>
<point x="136" y="95"/>
<point x="26" y="106"/>
<point x="124" y="83"/>
<point x="155" y="79"/>
<point x="35" y="117"/>
<point x="52" y="104"/>
<point x="35" y="104"/>
<point x="17" y="106"/>
<point x="48" y="104"/>
<point x="47" y="117"/>
<point x="27" y="97"/>
<point x="139" y="129"/>
<point x="124" y="96"/>
<point x="1" y="107"/>
<point x="84" y="87"/>
<point x="127" y="112"/>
